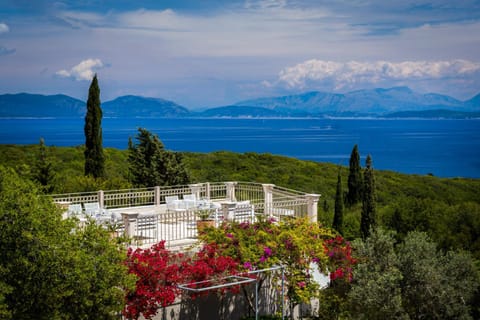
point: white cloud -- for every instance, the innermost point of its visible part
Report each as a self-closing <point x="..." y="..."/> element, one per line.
<point x="265" y="4"/>
<point x="350" y="74"/>
<point x="4" y="28"/>
<point x="85" y="70"/>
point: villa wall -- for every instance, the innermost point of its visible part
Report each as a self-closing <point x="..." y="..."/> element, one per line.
<point x="230" y="306"/>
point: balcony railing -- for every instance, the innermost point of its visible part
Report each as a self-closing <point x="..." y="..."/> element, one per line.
<point x="143" y="214"/>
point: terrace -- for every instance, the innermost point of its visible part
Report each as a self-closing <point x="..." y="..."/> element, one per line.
<point x="149" y="215"/>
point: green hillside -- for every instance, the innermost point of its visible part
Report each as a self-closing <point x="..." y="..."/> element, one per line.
<point x="448" y="209"/>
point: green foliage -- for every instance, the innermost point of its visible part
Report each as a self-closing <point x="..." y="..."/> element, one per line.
<point x="5" y="289"/>
<point x="308" y="176"/>
<point x="294" y="244"/>
<point x="94" y="158"/>
<point x="50" y="270"/>
<point x="43" y="171"/>
<point x="67" y="166"/>
<point x="369" y="201"/>
<point x="151" y="165"/>
<point x="435" y="285"/>
<point x="338" y="216"/>
<point x="355" y="180"/>
<point x="376" y="292"/>
<point x="411" y="281"/>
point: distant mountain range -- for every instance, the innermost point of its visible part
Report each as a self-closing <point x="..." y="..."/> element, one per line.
<point x="135" y="106"/>
<point x="377" y="102"/>
<point x="399" y="102"/>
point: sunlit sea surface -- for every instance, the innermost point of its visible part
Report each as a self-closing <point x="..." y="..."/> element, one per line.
<point x="445" y="148"/>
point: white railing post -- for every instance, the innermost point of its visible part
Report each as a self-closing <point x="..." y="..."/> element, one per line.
<point x="101" y="199"/>
<point x="156" y="195"/>
<point x="130" y="221"/>
<point x="231" y="191"/>
<point x="268" y="198"/>
<point x="207" y="190"/>
<point x="196" y="188"/>
<point x="312" y="206"/>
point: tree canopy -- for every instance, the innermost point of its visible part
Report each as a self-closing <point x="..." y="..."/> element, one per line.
<point x="338" y="215"/>
<point x="94" y="158"/>
<point x="355" y="180"/>
<point x="50" y="269"/>
<point x="151" y="165"/>
<point x="369" y="200"/>
<point x="413" y="280"/>
<point x="43" y="171"/>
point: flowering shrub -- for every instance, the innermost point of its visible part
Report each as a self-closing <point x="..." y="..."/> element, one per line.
<point x="339" y="252"/>
<point x="295" y="244"/>
<point x="160" y="271"/>
<point x="234" y="248"/>
<point x="208" y="266"/>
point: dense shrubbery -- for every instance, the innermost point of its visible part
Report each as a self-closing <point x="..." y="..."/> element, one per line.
<point x="49" y="268"/>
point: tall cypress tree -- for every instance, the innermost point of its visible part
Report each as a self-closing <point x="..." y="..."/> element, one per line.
<point x="94" y="158"/>
<point x="338" y="216"/>
<point x="355" y="183"/>
<point x="44" y="173"/>
<point x="369" y="205"/>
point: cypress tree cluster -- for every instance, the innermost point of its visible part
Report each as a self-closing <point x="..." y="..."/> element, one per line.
<point x="94" y="158"/>
<point x="355" y="181"/>
<point x="369" y="207"/>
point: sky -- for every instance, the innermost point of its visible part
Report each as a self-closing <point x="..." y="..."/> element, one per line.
<point x="206" y="53"/>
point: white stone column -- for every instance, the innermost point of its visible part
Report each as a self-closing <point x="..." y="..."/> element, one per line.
<point x="268" y="199"/>
<point x="101" y="199"/>
<point x="196" y="188"/>
<point x="130" y="221"/>
<point x="156" y="195"/>
<point x="231" y="191"/>
<point x="207" y="190"/>
<point x="312" y="206"/>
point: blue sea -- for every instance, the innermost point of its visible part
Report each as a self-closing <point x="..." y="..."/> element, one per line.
<point x="444" y="148"/>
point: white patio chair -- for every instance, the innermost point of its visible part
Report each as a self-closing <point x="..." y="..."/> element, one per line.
<point x="174" y="204"/>
<point x="75" y="210"/>
<point x="189" y="201"/>
<point x="93" y="210"/>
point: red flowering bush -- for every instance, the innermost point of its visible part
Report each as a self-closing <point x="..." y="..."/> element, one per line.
<point x="339" y="253"/>
<point x="210" y="267"/>
<point x="159" y="271"/>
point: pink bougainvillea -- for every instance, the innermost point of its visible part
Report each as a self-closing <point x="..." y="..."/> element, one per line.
<point x="339" y="253"/>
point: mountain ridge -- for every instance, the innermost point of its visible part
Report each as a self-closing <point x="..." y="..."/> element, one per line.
<point x="150" y="107"/>
<point x="379" y="102"/>
<point x="366" y="102"/>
